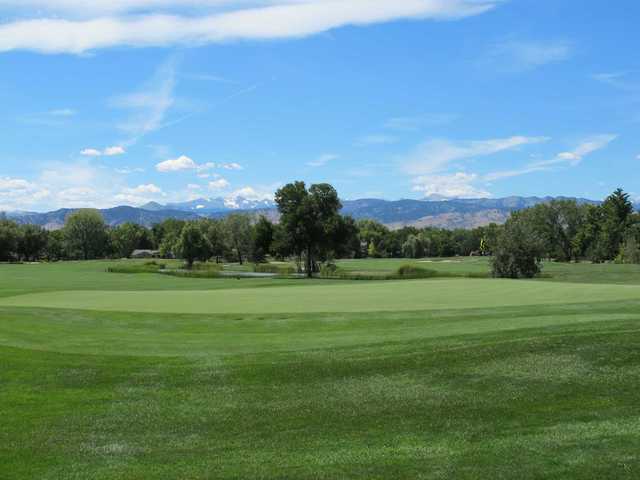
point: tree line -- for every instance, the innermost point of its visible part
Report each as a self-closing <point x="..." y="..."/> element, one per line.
<point x="312" y="231"/>
<point x="563" y="230"/>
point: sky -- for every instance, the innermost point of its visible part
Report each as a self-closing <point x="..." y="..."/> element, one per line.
<point x="122" y="102"/>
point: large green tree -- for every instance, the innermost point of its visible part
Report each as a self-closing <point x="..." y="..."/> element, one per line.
<point x="237" y="235"/>
<point x="192" y="244"/>
<point x="262" y="239"/>
<point x="86" y="234"/>
<point x="9" y="235"/>
<point x="213" y="230"/>
<point x="56" y="248"/>
<point x="556" y="224"/>
<point x="307" y="217"/>
<point x="617" y="210"/>
<point x="32" y="242"/>
<point x="128" y="237"/>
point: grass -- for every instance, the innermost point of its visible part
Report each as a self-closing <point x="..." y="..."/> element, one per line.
<point x="584" y="272"/>
<point x="409" y="295"/>
<point x="298" y="379"/>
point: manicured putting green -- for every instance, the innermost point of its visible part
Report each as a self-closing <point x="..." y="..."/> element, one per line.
<point x="364" y="297"/>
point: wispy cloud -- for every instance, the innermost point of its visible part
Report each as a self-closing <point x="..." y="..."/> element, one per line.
<point x="129" y="170"/>
<point x="517" y="56"/>
<point x="50" y="118"/>
<point x="150" y="23"/>
<point x="206" y="77"/>
<point x="570" y="158"/>
<point x="434" y="155"/>
<point x="150" y="104"/>
<point x="620" y="80"/>
<point x="322" y="160"/>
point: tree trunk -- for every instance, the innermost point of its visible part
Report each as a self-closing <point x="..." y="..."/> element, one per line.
<point x="309" y="263"/>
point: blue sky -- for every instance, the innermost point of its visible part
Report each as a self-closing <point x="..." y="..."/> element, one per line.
<point x="128" y="101"/>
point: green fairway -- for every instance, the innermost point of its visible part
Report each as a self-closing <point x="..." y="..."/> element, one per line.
<point x="111" y="376"/>
<point x="361" y="297"/>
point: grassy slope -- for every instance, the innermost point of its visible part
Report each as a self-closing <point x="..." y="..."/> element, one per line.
<point x="497" y="392"/>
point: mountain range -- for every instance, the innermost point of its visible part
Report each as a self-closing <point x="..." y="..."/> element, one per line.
<point x="453" y="213"/>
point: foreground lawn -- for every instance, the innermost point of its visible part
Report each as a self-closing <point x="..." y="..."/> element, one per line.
<point x="431" y="379"/>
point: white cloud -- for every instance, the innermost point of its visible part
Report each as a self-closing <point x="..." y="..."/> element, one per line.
<point x="90" y="152"/>
<point x="12" y="184"/>
<point x="18" y="193"/>
<point x="148" y="188"/>
<point x="194" y="186"/>
<point x="435" y="155"/>
<point x="175" y="165"/>
<point x="158" y="26"/>
<point x="186" y="163"/>
<point x="322" y="160"/>
<point x="76" y="194"/>
<point x="139" y="195"/>
<point x="252" y="194"/>
<point x="593" y="144"/>
<point x="513" y="55"/>
<point x="206" y="166"/>
<point x="112" y="151"/>
<point x="457" y="185"/>
<point x="232" y="166"/>
<point x="108" y="152"/>
<point x="575" y="156"/>
<point x="78" y="185"/>
<point x="501" y="175"/>
<point x="219" y="184"/>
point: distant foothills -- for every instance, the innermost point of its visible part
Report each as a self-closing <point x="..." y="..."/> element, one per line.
<point x="450" y="214"/>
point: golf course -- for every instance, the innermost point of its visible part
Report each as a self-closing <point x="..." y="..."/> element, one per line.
<point x="150" y="376"/>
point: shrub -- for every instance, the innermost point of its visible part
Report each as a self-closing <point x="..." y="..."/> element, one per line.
<point x="329" y="270"/>
<point x="274" y="268"/>
<point x="412" y="271"/>
<point x="147" y="267"/>
<point x="192" y="273"/>
<point x="207" y="267"/>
